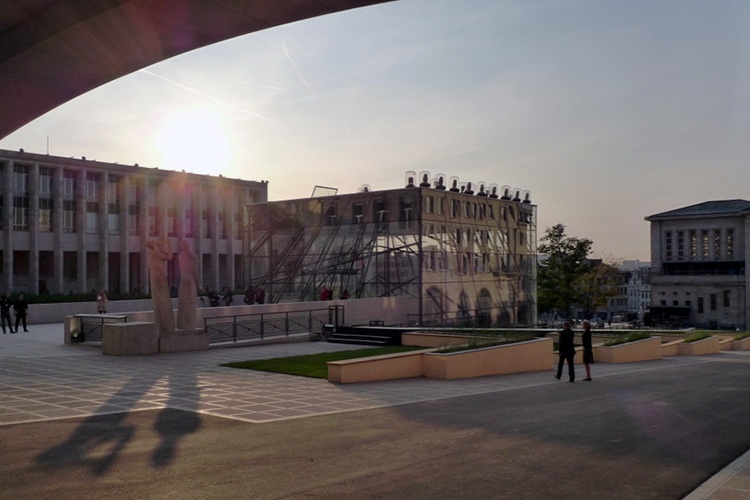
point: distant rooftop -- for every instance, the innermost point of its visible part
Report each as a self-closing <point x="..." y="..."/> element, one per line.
<point x="720" y="207"/>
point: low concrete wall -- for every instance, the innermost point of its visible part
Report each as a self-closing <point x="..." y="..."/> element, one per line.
<point x="532" y="355"/>
<point x="435" y="339"/>
<point x="130" y="339"/>
<point x="725" y="344"/>
<point x="640" y="350"/>
<point x="386" y="367"/>
<point x="183" y="341"/>
<point x="671" y="348"/>
<point x="741" y="345"/>
<point x="699" y="348"/>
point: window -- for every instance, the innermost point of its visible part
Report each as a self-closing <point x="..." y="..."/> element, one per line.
<point x="726" y="298"/>
<point x="380" y="211"/>
<point x="467" y="210"/>
<point x="693" y="245"/>
<point x="713" y="301"/>
<point x="455" y="208"/>
<point x="329" y="219"/>
<point x="687" y="303"/>
<point x="490" y="212"/>
<point x="668" y="245"/>
<point x="113" y="204"/>
<point x="730" y="244"/>
<point x="429" y="204"/>
<point x="134" y="207"/>
<point x="70" y="205"/>
<point x="21" y="198"/>
<point x="92" y="203"/>
<point x="700" y="305"/>
<point x="153" y="221"/>
<point x="358" y="213"/>
<point x="223" y="224"/>
<point x="46" y="202"/>
<point x="439" y="205"/>
<point x="704" y="244"/>
<point x="171" y="221"/>
<point x="680" y="245"/>
<point x="675" y="303"/>
<point x="717" y="244"/>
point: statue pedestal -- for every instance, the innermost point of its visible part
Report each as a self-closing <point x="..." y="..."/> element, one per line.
<point x="130" y="339"/>
<point x="183" y="340"/>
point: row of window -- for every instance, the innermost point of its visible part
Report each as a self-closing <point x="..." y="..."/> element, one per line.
<point x="695" y="244"/>
<point x="21" y="205"/>
<point x="469" y="263"/>
<point x="713" y="302"/>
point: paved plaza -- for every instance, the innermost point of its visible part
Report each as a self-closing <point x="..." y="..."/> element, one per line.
<point x="84" y="425"/>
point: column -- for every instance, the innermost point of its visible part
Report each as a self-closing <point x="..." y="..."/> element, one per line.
<point x="214" y="224"/>
<point x="8" y="228"/>
<point x="124" y="191"/>
<point x="58" y="278"/>
<point x="81" y="230"/>
<point x="34" y="229"/>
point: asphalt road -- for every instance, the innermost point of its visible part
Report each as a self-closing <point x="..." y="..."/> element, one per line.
<point x="647" y="435"/>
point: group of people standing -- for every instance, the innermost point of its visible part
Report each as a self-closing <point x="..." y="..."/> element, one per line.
<point x="255" y="296"/>
<point x="20" y="307"/>
<point x="567" y="350"/>
<point x="327" y="294"/>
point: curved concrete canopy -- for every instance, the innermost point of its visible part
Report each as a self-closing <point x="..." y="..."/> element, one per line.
<point x="52" y="51"/>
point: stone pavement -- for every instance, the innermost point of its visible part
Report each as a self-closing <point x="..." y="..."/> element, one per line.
<point x="42" y="380"/>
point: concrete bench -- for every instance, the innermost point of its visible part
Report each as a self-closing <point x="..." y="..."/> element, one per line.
<point x="130" y="339"/>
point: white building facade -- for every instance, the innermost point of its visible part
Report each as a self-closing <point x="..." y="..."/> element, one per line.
<point x="72" y="225"/>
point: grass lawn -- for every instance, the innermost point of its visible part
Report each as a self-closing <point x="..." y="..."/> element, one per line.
<point x="314" y="365"/>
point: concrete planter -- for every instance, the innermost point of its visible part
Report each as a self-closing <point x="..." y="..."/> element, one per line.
<point x="532" y="355"/>
<point x="725" y="344"/>
<point x="699" y="348"/>
<point x="671" y="348"/>
<point x="741" y="345"/>
<point x="419" y="339"/>
<point x="640" y="350"/>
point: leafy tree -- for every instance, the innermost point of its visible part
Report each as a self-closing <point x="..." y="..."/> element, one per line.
<point x="595" y="286"/>
<point x="565" y="278"/>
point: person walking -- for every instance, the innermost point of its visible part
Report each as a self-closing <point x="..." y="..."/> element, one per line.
<point x="5" y="305"/>
<point x="21" y="307"/>
<point x="101" y="302"/>
<point x="249" y="296"/>
<point x="567" y="351"/>
<point x="588" y="350"/>
<point x="260" y="297"/>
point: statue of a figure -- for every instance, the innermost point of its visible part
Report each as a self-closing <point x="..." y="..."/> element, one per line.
<point x="159" y="253"/>
<point x="187" y="301"/>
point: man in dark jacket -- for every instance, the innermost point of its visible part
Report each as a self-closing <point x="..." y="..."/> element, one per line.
<point x="21" y="307"/>
<point x="5" y="305"/>
<point x="567" y="351"/>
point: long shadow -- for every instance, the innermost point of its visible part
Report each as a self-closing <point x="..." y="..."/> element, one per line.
<point x="84" y="446"/>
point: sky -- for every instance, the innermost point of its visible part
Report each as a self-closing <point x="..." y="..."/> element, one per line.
<point x="608" y="111"/>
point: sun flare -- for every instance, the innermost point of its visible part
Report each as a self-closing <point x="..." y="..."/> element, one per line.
<point x="194" y="141"/>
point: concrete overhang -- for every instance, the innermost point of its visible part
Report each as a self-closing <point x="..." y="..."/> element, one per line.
<point x="52" y="51"/>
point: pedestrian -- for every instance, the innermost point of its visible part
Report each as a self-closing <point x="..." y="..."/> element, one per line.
<point x="249" y="296"/>
<point x="5" y="305"/>
<point x="567" y="351"/>
<point x="344" y="295"/>
<point x="324" y="294"/>
<point x="260" y="297"/>
<point x="588" y="350"/>
<point x="101" y="302"/>
<point x="21" y="307"/>
<point x="227" y="296"/>
<point x="330" y="294"/>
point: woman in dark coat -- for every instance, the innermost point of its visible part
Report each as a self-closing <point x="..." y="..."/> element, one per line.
<point x="588" y="350"/>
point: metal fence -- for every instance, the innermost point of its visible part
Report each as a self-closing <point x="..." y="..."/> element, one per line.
<point x="91" y="325"/>
<point x="222" y="329"/>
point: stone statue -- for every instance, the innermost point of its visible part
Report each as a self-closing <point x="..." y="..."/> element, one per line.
<point x="187" y="301"/>
<point x="159" y="253"/>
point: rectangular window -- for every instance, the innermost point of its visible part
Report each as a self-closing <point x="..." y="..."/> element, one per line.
<point x="171" y="221"/>
<point x="693" y="245"/>
<point x="730" y="244"/>
<point x="380" y="211"/>
<point x="687" y="303"/>
<point x="680" y="245"/>
<point x="726" y="298"/>
<point x="439" y="205"/>
<point x="668" y="245"/>
<point x="490" y="212"/>
<point x="358" y="213"/>
<point x="329" y="219"/>
<point x="92" y="203"/>
<point x="429" y="204"/>
<point x="223" y="225"/>
<point x="700" y="305"/>
<point x="406" y="214"/>
<point x="467" y="210"/>
<point x="113" y="204"/>
<point x="134" y="207"/>
<point x="46" y="201"/>
<point x="20" y="198"/>
<point x="153" y="221"/>
<point x="205" y="223"/>
<point x="713" y="301"/>
<point x="717" y="244"/>
<point x="455" y="208"/>
<point x="704" y="244"/>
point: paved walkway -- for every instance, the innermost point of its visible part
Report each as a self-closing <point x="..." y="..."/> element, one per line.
<point x="42" y="380"/>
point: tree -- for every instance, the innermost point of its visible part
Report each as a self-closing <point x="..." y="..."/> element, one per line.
<point x="568" y="278"/>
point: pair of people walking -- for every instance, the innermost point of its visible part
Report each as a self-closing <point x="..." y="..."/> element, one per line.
<point x="20" y="306"/>
<point x="567" y="351"/>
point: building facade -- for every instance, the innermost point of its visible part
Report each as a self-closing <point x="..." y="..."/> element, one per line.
<point x="464" y="252"/>
<point x="75" y="225"/>
<point x="698" y="257"/>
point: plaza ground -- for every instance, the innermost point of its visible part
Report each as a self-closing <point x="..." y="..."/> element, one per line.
<point x="75" y="424"/>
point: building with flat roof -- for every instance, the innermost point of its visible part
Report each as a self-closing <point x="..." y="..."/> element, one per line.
<point x="73" y="225"/>
<point x="467" y="252"/>
<point x="698" y="258"/>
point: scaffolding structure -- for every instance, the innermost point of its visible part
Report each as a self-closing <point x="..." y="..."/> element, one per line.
<point x="467" y="258"/>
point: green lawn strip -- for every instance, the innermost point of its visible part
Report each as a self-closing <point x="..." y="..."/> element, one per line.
<point x="742" y="335"/>
<point x="695" y="337"/>
<point x="314" y="365"/>
<point x="478" y="343"/>
<point x="624" y="339"/>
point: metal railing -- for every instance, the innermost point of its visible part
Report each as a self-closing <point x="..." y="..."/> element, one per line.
<point x="242" y="327"/>
<point x="92" y="325"/>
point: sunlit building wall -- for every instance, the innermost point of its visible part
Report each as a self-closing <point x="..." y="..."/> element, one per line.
<point x="462" y="255"/>
<point x="73" y="225"/>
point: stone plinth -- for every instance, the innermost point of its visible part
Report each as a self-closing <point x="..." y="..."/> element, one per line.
<point x="183" y="340"/>
<point x="130" y="339"/>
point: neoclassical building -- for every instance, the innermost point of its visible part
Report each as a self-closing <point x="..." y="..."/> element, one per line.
<point x="73" y="225"/>
<point x="465" y="252"/>
<point x="698" y="263"/>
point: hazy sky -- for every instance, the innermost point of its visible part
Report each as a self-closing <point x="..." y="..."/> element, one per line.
<point x="607" y="111"/>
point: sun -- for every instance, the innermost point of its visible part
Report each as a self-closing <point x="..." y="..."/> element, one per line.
<point x="194" y="141"/>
